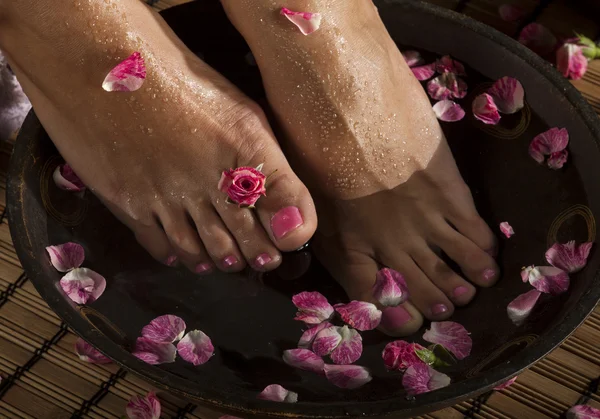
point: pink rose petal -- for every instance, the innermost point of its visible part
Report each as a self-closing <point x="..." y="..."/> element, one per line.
<point x="399" y="355"/>
<point x="65" y="178"/>
<point x="507" y="229"/>
<point x="349" y="349"/>
<point x="424" y="72"/>
<point x="244" y="185"/>
<point x="447" y="64"/>
<point x="508" y="95"/>
<point x="506" y="384"/>
<point x="447" y="86"/>
<point x="520" y="308"/>
<point x="144" y="407"/>
<point x="448" y="111"/>
<point x="307" y="338"/>
<point x="195" y="347"/>
<point x="571" y="62"/>
<point x="511" y="12"/>
<point x="67" y="256"/>
<point x="88" y="353"/>
<point x="327" y="340"/>
<point x="83" y="285"/>
<point x="347" y="376"/>
<point x="485" y="109"/>
<point x="538" y="38"/>
<point x="546" y="279"/>
<point x="390" y="288"/>
<point x="569" y="257"/>
<point x="421" y="378"/>
<point x="277" y="393"/>
<point x="551" y="143"/>
<point x="164" y="329"/>
<point x="127" y="76"/>
<point x="412" y="58"/>
<point x="452" y="336"/>
<point x="313" y="307"/>
<point x="305" y="21"/>
<point x="304" y="359"/>
<point x="154" y="353"/>
<point x="359" y="314"/>
<point x="583" y="412"/>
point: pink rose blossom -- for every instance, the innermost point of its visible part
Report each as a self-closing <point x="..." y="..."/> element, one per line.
<point x="571" y="62"/>
<point x="243" y="185"/>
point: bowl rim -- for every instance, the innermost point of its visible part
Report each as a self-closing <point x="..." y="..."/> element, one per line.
<point x="397" y="407"/>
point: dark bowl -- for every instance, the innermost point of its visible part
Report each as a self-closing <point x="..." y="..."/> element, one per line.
<point x="250" y="316"/>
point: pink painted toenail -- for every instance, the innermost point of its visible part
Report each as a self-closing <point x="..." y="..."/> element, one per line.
<point x="438" y="309"/>
<point x="489" y="275"/>
<point x="262" y="260"/>
<point x="394" y="318"/>
<point x="459" y="291"/>
<point x="286" y="221"/>
<point x="229" y="261"/>
<point x="203" y="268"/>
<point x="171" y="260"/>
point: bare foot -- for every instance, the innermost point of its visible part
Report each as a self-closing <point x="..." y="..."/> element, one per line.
<point x="155" y="156"/>
<point x="365" y="140"/>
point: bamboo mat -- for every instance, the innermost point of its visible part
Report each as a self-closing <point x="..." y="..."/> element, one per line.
<point x="43" y="379"/>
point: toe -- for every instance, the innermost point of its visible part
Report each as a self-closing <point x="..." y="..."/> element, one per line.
<point x="154" y="239"/>
<point x="468" y="222"/>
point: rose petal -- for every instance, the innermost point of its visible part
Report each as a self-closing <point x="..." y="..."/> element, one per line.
<point x="83" y="285"/>
<point x="313" y="307"/>
<point x="88" y="353"/>
<point x="421" y="378"/>
<point x="571" y="62"/>
<point x="520" y="308"/>
<point x="277" y="393"/>
<point x="447" y="86"/>
<point x="452" y="336"/>
<point x="65" y="178"/>
<point x="349" y="349"/>
<point x="511" y="12"/>
<point x="557" y="160"/>
<point x="447" y="64"/>
<point x="347" y="376"/>
<point x="390" y="288"/>
<point x="144" y="407"/>
<point x="555" y="140"/>
<point x="243" y="186"/>
<point x="508" y="95"/>
<point x="412" y="58"/>
<point x="359" y="314"/>
<point x="485" y="109"/>
<point x="569" y="257"/>
<point x="127" y="76"/>
<point x="538" y="38"/>
<point x="307" y="338"/>
<point x="507" y="229"/>
<point x="546" y="279"/>
<point x="67" y="256"/>
<point x="164" y="329"/>
<point x="506" y="384"/>
<point x="327" y="340"/>
<point x="424" y="72"/>
<point x="399" y="355"/>
<point x="448" y="111"/>
<point x="305" y="21"/>
<point x="154" y="353"/>
<point x="195" y="347"/>
<point x="583" y="412"/>
<point x="304" y="359"/>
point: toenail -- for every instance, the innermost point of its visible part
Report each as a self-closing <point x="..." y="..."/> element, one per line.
<point x="229" y="261"/>
<point x="438" y="309"/>
<point x="171" y="260"/>
<point x="394" y="318"/>
<point x="203" y="268"/>
<point x="459" y="291"/>
<point x="262" y="260"/>
<point x="489" y="275"/>
<point x="285" y="221"/>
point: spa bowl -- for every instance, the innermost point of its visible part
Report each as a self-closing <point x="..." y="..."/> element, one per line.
<point x="250" y="317"/>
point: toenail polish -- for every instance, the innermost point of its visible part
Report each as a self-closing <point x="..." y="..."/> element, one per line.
<point x="460" y="291"/>
<point x="262" y="260"/>
<point x="489" y="275"/>
<point x="202" y="268"/>
<point x="285" y="221"/>
<point x="438" y="309"/>
<point x="229" y="261"/>
<point x="171" y="260"/>
<point x="394" y="318"/>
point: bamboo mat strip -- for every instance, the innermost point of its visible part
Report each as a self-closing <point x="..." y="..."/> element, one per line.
<point x="42" y="378"/>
